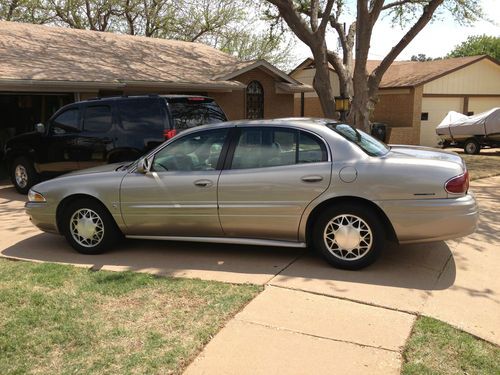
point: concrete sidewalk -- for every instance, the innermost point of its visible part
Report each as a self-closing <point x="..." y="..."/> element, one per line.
<point x="315" y="319"/>
<point x="311" y="317"/>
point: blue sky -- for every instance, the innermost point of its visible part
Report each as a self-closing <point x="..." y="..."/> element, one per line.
<point x="436" y="40"/>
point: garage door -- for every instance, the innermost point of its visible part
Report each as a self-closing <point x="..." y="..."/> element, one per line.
<point x="434" y="110"/>
<point x="478" y="105"/>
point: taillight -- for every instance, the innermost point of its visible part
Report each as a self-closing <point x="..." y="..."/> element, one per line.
<point x="458" y="184"/>
<point x="170" y="133"/>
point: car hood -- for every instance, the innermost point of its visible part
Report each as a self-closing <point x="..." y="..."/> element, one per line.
<point x="427" y="153"/>
<point x="99" y="169"/>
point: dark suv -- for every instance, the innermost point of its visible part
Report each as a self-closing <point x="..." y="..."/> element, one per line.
<point x="100" y="131"/>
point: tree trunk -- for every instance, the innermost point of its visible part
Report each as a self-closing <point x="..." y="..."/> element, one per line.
<point x="321" y="82"/>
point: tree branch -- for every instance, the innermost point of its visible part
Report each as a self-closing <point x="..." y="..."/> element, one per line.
<point x="314" y="15"/>
<point x="424" y="19"/>
<point x="403" y="2"/>
<point x="326" y="16"/>
<point x="375" y="9"/>
<point x="294" y="21"/>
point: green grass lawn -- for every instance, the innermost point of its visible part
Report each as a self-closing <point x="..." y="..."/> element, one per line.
<point x="437" y="348"/>
<point x="57" y="319"/>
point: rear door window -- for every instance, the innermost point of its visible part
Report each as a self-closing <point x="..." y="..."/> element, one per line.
<point x="141" y="115"/>
<point x="311" y="149"/>
<point x="97" y="119"/>
<point x="271" y="147"/>
<point x="190" y="112"/>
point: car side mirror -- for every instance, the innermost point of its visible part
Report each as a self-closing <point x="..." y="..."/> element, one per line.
<point x="143" y="166"/>
<point x="40" y="128"/>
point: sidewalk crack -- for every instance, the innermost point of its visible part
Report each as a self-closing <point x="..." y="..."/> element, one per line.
<point x="317" y="336"/>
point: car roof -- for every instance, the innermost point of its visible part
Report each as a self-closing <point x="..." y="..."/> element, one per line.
<point x="300" y="122"/>
<point x="315" y="125"/>
<point x="126" y="97"/>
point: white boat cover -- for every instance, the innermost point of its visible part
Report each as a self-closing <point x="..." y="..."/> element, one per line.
<point x="456" y="124"/>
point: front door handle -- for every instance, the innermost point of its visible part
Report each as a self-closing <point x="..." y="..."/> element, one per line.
<point x="107" y="140"/>
<point x="312" y="178"/>
<point x="203" y="183"/>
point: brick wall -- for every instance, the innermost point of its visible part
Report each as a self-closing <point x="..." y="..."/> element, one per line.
<point x="232" y="103"/>
<point x="396" y="110"/>
<point x="403" y="136"/>
<point x="312" y="107"/>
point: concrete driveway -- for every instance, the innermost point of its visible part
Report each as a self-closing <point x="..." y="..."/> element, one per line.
<point x="310" y="316"/>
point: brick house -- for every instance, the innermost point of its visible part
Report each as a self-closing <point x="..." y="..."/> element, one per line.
<point x="415" y="96"/>
<point x="43" y="68"/>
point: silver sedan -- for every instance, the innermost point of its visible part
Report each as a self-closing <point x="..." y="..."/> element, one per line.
<point x="288" y="182"/>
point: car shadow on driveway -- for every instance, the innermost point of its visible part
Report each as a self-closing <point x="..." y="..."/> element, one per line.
<point x="400" y="267"/>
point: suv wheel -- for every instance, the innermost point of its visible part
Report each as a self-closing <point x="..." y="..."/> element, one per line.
<point x="23" y="175"/>
<point x="89" y="227"/>
<point x="349" y="237"/>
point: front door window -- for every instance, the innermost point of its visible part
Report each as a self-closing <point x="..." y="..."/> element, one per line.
<point x="195" y="152"/>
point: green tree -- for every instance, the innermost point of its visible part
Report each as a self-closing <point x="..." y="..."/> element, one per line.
<point x="312" y="20"/>
<point x="421" y="57"/>
<point x="478" y="45"/>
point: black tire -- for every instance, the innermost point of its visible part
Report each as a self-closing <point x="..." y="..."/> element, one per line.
<point x="472" y="146"/>
<point x="368" y="250"/>
<point x="23" y="174"/>
<point x="98" y="215"/>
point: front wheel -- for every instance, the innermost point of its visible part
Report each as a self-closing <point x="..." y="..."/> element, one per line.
<point x="89" y="227"/>
<point x="349" y="236"/>
<point x="23" y="175"/>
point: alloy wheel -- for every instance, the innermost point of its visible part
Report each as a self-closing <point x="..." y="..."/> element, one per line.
<point x="21" y="176"/>
<point x="348" y="237"/>
<point x="87" y="227"/>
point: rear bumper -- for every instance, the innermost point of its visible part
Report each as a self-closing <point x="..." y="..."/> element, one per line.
<point x="42" y="216"/>
<point x="429" y="220"/>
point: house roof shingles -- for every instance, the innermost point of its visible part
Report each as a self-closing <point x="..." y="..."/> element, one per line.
<point x="414" y="73"/>
<point x="55" y="54"/>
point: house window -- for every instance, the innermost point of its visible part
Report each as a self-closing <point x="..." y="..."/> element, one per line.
<point x="424" y="116"/>
<point x="255" y="100"/>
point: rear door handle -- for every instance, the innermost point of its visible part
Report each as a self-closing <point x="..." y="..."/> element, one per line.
<point x="203" y="183"/>
<point x="312" y="178"/>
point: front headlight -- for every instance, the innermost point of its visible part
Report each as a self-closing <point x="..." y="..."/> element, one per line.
<point x="34" y="196"/>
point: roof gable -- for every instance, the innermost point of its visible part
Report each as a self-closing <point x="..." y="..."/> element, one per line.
<point x="243" y="67"/>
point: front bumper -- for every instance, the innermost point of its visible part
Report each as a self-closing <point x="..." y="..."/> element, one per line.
<point x="427" y="220"/>
<point x="42" y="215"/>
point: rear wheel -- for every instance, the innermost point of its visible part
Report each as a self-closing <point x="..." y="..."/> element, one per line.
<point x="23" y="174"/>
<point x="472" y="146"/>
<point x="89" y="227"/>
<point x="349" y="237"/>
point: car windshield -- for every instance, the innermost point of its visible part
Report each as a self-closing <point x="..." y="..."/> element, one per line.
<point x="367" y="143"/>
<point x="190" y="113"/>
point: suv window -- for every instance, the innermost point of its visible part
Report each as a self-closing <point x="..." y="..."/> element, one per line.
<point x="145" y="115"/>
<point x="97" y="119"/>
<point x="194" y="152"/>
<point x="190" y="112"/>
<point x="66" y="122"/>
<point x="271" y="147"/>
